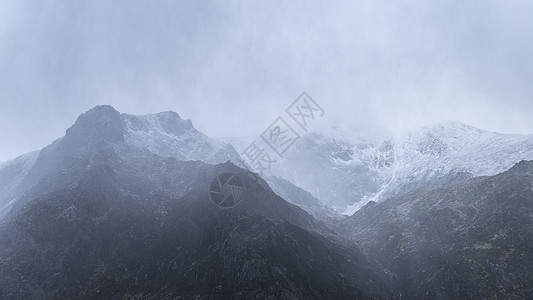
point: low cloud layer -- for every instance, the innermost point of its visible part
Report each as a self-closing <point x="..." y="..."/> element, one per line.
<point x="234" y="66"/>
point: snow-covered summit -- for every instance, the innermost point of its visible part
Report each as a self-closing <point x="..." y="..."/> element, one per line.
<point x="347" y="170"/>
<point x="100" y="134"/>
<point x="166" y="134"/>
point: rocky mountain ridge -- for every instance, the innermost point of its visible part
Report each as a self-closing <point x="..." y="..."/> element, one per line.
<point x="345" y="171"/>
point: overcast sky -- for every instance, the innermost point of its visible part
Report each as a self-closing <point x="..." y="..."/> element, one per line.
<point x="232" y="67"/>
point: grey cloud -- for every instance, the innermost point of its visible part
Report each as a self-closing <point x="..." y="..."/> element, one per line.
<point x="233" y="66"/>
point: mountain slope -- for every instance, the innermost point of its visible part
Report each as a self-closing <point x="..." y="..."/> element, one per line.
<point x="11" y="175"/>
<point x="345" y="171"/>
<point x="304" y="200"/>
<point x="469" y="240"/>
<point x="167" y="135"/>
<point x="164" y="134"/>
<point x="99" y="216"/>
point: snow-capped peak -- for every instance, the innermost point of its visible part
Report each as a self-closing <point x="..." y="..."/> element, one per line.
<point x="101" y="133"/>
<point x="346" y="171"/>
<point x="166" y="134"/>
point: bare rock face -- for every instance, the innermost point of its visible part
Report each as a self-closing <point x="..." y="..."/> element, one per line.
<point x="102" y="123"/>
<point x="100" y="216"/>
<point x="120" y="207"/>
<point x="469" y="240"/>
<point x="93" y="138"/>
<point x="304" y="200"/>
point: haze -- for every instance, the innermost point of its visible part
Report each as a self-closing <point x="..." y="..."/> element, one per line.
<point x="233" y="66"/>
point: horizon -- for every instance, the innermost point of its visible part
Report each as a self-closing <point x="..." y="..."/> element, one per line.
<point x="317" y="128"/>
<point x="233" y="67"/>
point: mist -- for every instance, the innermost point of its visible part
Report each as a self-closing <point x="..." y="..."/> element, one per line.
<point x="232" y="67"/>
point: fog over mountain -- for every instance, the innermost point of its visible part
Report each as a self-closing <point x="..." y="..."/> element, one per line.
<point x="368" y="149"/>
<point x="233" y="67"/>
<point x="97" y="214"/>
<point x="122" y="207"/>
<point x="468" y="240"/>
<point x="345" y="170"/>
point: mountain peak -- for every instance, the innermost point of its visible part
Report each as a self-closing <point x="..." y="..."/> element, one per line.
<point x="102" y="109"/>
<point x="169" y="114"/>
<point x="99" y="112"/>
<point x="170" y="122"/>
<point x="453" y="125"/>
<point x="102" y="122"/>
<point x="167" y="134"/>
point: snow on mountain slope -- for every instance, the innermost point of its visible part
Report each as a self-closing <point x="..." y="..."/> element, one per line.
<point x="297" y="196"/>
<point x="163" y="134"/>
<point x="454" y="145"/>
<point x="12" y="172"/>
<point x="346" y="171"/>
<point x="471" y="240"/>
<point x="167" y="135"/>
<point x="100" y="216"/>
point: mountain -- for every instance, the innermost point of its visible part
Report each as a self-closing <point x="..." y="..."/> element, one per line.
<point x="164" y="134"/>
<point x="304" y="200"/>
<point x="345" y="171"/>
<point x="471" y="240"/>
<point x="167" y="135"/>
<point x="120" y="208"/>
<point x="12" y="173"/>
